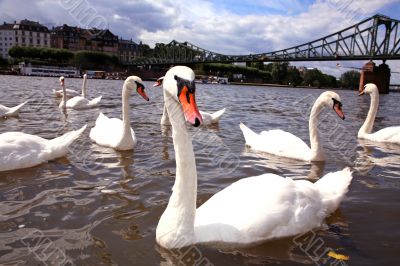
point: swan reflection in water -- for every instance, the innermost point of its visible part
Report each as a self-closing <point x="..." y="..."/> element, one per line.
<point x="372" y="154"/>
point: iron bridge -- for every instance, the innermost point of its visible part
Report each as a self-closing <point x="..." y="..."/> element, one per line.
<point x="377" y="37"/>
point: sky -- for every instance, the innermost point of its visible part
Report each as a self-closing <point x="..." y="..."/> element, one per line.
<point x="229" y="27"/>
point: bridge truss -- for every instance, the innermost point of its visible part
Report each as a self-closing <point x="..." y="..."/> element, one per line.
<point x="377" y="37"/>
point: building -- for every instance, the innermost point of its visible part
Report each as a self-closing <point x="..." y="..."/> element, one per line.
<point x="7" y="39"/>
<point x="31" y="33"/>
<point x="22" y="33"/>
<point x="67" y="37"/>
<point x="77" y="39"/>
<point x="128" y="50"/>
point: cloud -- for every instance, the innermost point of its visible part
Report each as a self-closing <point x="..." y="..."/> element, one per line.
<point x="228" y="27"/>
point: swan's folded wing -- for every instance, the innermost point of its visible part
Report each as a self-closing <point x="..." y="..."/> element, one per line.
<point x="20" y="150"/>
<point x="77" y="102"/>
<point x="107" y="131"/>
<point x="282" y="143"/>
<point x="389" y="134"/>
<point x="259" y="208"/>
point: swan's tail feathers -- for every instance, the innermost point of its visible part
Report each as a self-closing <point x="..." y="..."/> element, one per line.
<point x="217" y="115"/>
<point x="333" y="187"/>
<point x="59" y="145"/>
<point x="249" y="135"/>
<point x="95" y="101"/>
<point x="15" y="110"/>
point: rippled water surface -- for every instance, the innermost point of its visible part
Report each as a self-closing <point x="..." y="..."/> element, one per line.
<point x="98" y="206"/>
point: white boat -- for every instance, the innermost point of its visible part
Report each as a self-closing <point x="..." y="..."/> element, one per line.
<point x="48" y="71"/>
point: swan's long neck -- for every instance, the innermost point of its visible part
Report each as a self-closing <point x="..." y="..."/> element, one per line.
<point x="317" y="152"/>
<point x="84" y="88"/>
<point x="366" y="128"/>
<point x="64" y="97"/>
<point x="164" y="118"/>
<point x="176" y="225"/>
<point x="126" y="121"/>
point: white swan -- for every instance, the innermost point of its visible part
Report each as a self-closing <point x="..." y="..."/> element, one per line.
<point x="63" y="103"/>
<point x="389" y="134"/>
<point x="20" y="150"/>
<point x="208" y="118"/>
<point x="70" y="93"/>
<point x="285" y="144"/>
<point x="249" y="211"/>
<point x="11" y="111"/>
<point x="80" y="102"/>
<point x="114" y="132"/>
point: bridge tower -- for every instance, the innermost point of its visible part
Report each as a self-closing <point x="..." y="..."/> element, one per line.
<point x="379" y="75"/>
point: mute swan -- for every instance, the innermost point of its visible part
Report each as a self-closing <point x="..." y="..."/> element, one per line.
<point x="80" y="102"/>
<point x="389" y="134"/>
<point x="10" y="111"/>
<point x="249" y="211"/>
<point x="114" y="132"/>
<point x="285" y="144"/>
<point x="19" y="150"/>
<point x="63" y="103"/>
<point x="70" y="93"/>
<point x="208" y="118"/>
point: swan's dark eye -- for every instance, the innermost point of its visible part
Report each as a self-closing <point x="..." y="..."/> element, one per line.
<point x="336" y="102"/>
<point x="181" y="83"/>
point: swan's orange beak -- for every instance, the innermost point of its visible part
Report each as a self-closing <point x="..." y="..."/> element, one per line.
<point x="140" y="90"/>
<point x="62" y="82"/>
<point x="361" y="93"/>
<point x="158" y="82"/>
<point x="190" y="110"/>
<point x="337" y="106"/>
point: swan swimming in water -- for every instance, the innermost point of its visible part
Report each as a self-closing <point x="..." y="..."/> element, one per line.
<point x="248" y="212"/>
<point x="114" y="132"/>
<point x="389" y="134"/>
<point x="10" y="111"/>
<point x="20" y="150"/>
<point x="285" y="144"/>
<point x="70" y="93"/>
<point x="80" y="102"/>
<point x="208" y="118"/>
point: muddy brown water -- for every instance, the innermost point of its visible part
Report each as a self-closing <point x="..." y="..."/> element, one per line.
<point x="97" y="206"/>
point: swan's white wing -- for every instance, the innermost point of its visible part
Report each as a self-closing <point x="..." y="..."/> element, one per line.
<point x="77" y="102"/>
<point x="13" y="111"/>
<point x="108" y="131"/>
<point x="209" y="118"/>
<point x="389" y="134"/>
<point x="258" y="208"/>
<point x="3" y="110"/>
<point x="20" y="150"/>
<point x="277" y="142"/>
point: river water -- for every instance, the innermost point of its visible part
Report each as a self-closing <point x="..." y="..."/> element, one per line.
<point x="101" y="207"/>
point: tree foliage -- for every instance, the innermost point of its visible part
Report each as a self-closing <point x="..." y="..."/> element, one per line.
<point x="95" y="60"/>
<point x="350" y="79"/>
<point x="58" y="55"/>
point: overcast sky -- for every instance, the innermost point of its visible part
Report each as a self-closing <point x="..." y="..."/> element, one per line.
<point x="228" y="27"/>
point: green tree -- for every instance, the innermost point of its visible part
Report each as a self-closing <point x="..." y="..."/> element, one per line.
<point x="94" y="60"/>
<point x="350" y="79"/>
<point x="3" y="62"/>
<point x="293" y="76"/>
<point x="279" y="72"/>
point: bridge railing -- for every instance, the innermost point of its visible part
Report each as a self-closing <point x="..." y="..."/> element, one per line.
<point x="377" y="37"/>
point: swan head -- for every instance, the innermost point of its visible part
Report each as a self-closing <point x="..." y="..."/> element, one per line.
<point x="179" y="85"/>
<point x="62" y="80"/>
<point x="85" y="76"/>
<point x="369" y="88"/>
<point x="158" y="82"/>
<point x="332" y="99"/>
<point x="135" y="83"/>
